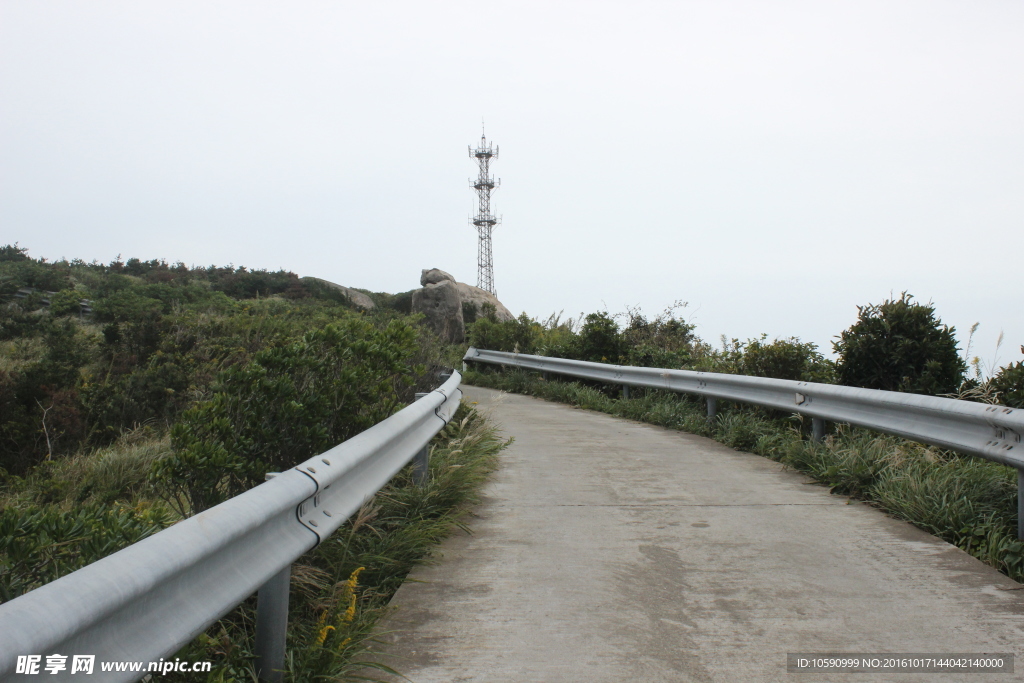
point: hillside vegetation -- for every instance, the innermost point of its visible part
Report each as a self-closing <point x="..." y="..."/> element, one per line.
<point x="137" y="393"/>
<point x="898" y="345"/>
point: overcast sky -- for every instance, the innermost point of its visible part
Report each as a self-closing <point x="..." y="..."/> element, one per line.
<point x="774" y="164"/>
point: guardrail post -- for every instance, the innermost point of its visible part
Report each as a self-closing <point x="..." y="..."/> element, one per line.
<point x="712" y="408"/>
<point x="625" y="391"/>
<point x="817" y="429"/>
<point x="421" y="466"/>
<point x="272" y="622"/>
<point x="421" y="461"/>
<point x="1020" y="504"/>
<point x="272" y="626"/>
<point x="544" y="376"/>
<point x="463" y="366"/>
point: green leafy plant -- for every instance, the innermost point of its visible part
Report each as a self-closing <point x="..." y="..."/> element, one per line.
<point x="598" y="339"/>
<point x="39" y="544"/>
<point x="900" y="345"/>
<point x="291" y="402"/>
<point x="1009" y="383"/>
<point x="520" y="334"/>
<point x="785" y="359"/>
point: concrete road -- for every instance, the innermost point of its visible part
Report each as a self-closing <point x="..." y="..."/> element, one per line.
<point x="608" y="550"/>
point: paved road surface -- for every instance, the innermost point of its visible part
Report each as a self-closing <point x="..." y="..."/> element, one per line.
<point x="608" y="550"/>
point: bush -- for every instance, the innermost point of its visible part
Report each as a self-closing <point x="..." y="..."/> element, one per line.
<point x="38" y="545"/>
<point x="468" y="312"/>
<point x="290" y="403"/>
<point x="662" y="342"/>
<point x="1009" y="382"/>
<point x="785" y="359"/>
<point x="402" y="302"/>
<point x="520" y="335"/>
<point x="12" y="252"/>
<point x="900" y="345"/>
<point x="65" y="302"/>
<point x="598" y="340"/>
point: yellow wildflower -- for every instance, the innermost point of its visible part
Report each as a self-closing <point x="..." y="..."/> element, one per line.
<point x="323" y="634"/>
<point x="350" y="593"/>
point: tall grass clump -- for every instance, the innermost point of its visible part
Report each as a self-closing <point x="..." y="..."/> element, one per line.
<point x="967" y="501"/>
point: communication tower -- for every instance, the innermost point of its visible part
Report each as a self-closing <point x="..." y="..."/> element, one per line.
<point x="484" y="220"/>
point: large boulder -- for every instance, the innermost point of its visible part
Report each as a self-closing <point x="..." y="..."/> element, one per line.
<point x="441" y="307"/>
<point x="478" y="297"/>
<point x="433" y="276"/>
<point x="355" y="296"/>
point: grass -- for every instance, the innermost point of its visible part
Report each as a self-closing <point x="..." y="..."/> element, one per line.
<point x="69" y="512"/>
<point x="115" y="473"/>
<point x="967" y="501"/>
<point x="19" y="353"/>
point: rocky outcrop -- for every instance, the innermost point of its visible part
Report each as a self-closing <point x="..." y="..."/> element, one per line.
<point x="433" y="276"/>
<point x="478" y="297"/>
<point x="441" y="306"/>
<point x="441" y="301"/>
<point x="355" y="296"/>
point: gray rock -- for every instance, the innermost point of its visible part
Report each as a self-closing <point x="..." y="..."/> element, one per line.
<point x="441" y="307"/>
<point x="478" y="297"/>
<point x="356" y="297"/>
<point x="432" y="276"/>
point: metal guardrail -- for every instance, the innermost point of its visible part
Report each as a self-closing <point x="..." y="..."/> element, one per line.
<point x="988" y="431"/>
<point x="148" y="600"/>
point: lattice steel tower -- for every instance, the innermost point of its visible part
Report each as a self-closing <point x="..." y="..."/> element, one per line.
<point x="484" y="220"/>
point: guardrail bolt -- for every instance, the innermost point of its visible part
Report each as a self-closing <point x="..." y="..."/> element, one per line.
<point x="817" y="429"/>
<point x="272" y="626"/>
<point x="712" y="408"/>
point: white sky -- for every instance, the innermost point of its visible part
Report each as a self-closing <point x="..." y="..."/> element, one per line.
<point x="773" y="163"/>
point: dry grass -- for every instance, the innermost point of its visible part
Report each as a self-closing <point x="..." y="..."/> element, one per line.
<point x="118" y="472"/>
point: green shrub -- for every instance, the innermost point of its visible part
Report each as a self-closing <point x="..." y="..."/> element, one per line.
<point x="599" y="340"/>
<point x="900" y="345"/>
<point x="12" y="252"/>
<point x="38" y="545"/>
<point x="785" y="359"/>
<point x="402" y="302"/>
<point x="65" y="302"/>
<point x="468" y="312"/>
<point x="290" y="403"/>
<point x="1009" y="382"/>
<point x="662" y="342"/>
<point x="520" y="335"/>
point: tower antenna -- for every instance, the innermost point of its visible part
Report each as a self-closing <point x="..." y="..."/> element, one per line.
<point x="484" y="220"/>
